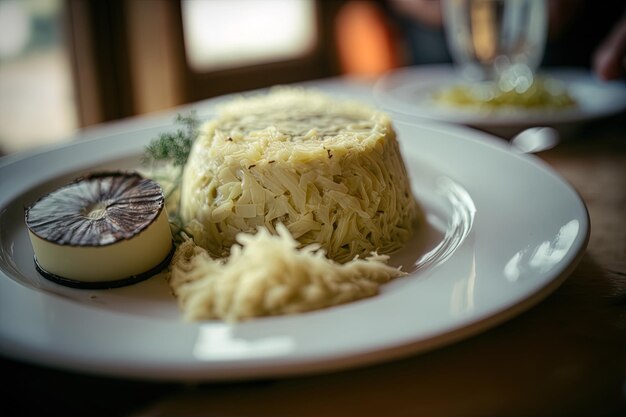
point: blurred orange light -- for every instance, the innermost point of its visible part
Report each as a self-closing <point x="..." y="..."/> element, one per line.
<point x="364" y="40"/>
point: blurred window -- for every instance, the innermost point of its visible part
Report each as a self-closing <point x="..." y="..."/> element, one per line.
<point x="70" y="64"/>
<point x="222" y="34"/>
<point x="37" y="103"/>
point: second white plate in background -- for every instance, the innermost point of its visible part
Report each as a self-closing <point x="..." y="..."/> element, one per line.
<point x="407" y="94"/>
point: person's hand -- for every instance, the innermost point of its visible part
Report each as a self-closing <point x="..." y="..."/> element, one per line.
<point x="609" y="61"/>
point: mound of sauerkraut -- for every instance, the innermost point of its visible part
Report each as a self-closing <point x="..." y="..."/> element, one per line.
<point x="329" y="170"/>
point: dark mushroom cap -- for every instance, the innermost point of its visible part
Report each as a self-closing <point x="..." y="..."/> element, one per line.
<point x="96" y="210"/>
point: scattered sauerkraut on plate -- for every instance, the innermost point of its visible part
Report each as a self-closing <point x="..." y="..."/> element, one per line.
<point x="290" y="201"/>
<point x="269" y="274"/>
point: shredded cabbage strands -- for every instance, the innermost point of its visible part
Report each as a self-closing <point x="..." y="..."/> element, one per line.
<point x="267" y="274"/>
<point x="329" y="170"/>
<point x="289" y="202"/>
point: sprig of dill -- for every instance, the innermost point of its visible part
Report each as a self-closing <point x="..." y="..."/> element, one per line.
<point x="165" y="158"/>
<point x="173" y="147"/>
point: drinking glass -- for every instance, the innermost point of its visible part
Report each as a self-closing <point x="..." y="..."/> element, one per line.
<point x="500" y="41"/>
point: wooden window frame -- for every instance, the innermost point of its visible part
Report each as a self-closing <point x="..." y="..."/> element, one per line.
<point x="129" y="59"/>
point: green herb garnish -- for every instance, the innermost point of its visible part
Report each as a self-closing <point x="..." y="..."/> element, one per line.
<point x="173" y="147"/>
<point x="165" y="158"/>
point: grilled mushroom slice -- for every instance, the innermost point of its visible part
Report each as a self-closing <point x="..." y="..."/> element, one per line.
<point x="104" y="230"/>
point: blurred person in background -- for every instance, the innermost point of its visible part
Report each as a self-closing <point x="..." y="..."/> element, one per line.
<point x="582" y="33"/>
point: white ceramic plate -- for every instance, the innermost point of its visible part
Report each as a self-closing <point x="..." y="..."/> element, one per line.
<point x="407" y="92"/>
<point x="503" y="232"/>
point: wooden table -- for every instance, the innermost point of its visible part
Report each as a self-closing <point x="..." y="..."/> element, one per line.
<point x="566" y="356"/>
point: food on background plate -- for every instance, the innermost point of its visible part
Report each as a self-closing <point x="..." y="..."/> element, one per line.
<point x="543" y="94"/>
<point x="103" y="230"/>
